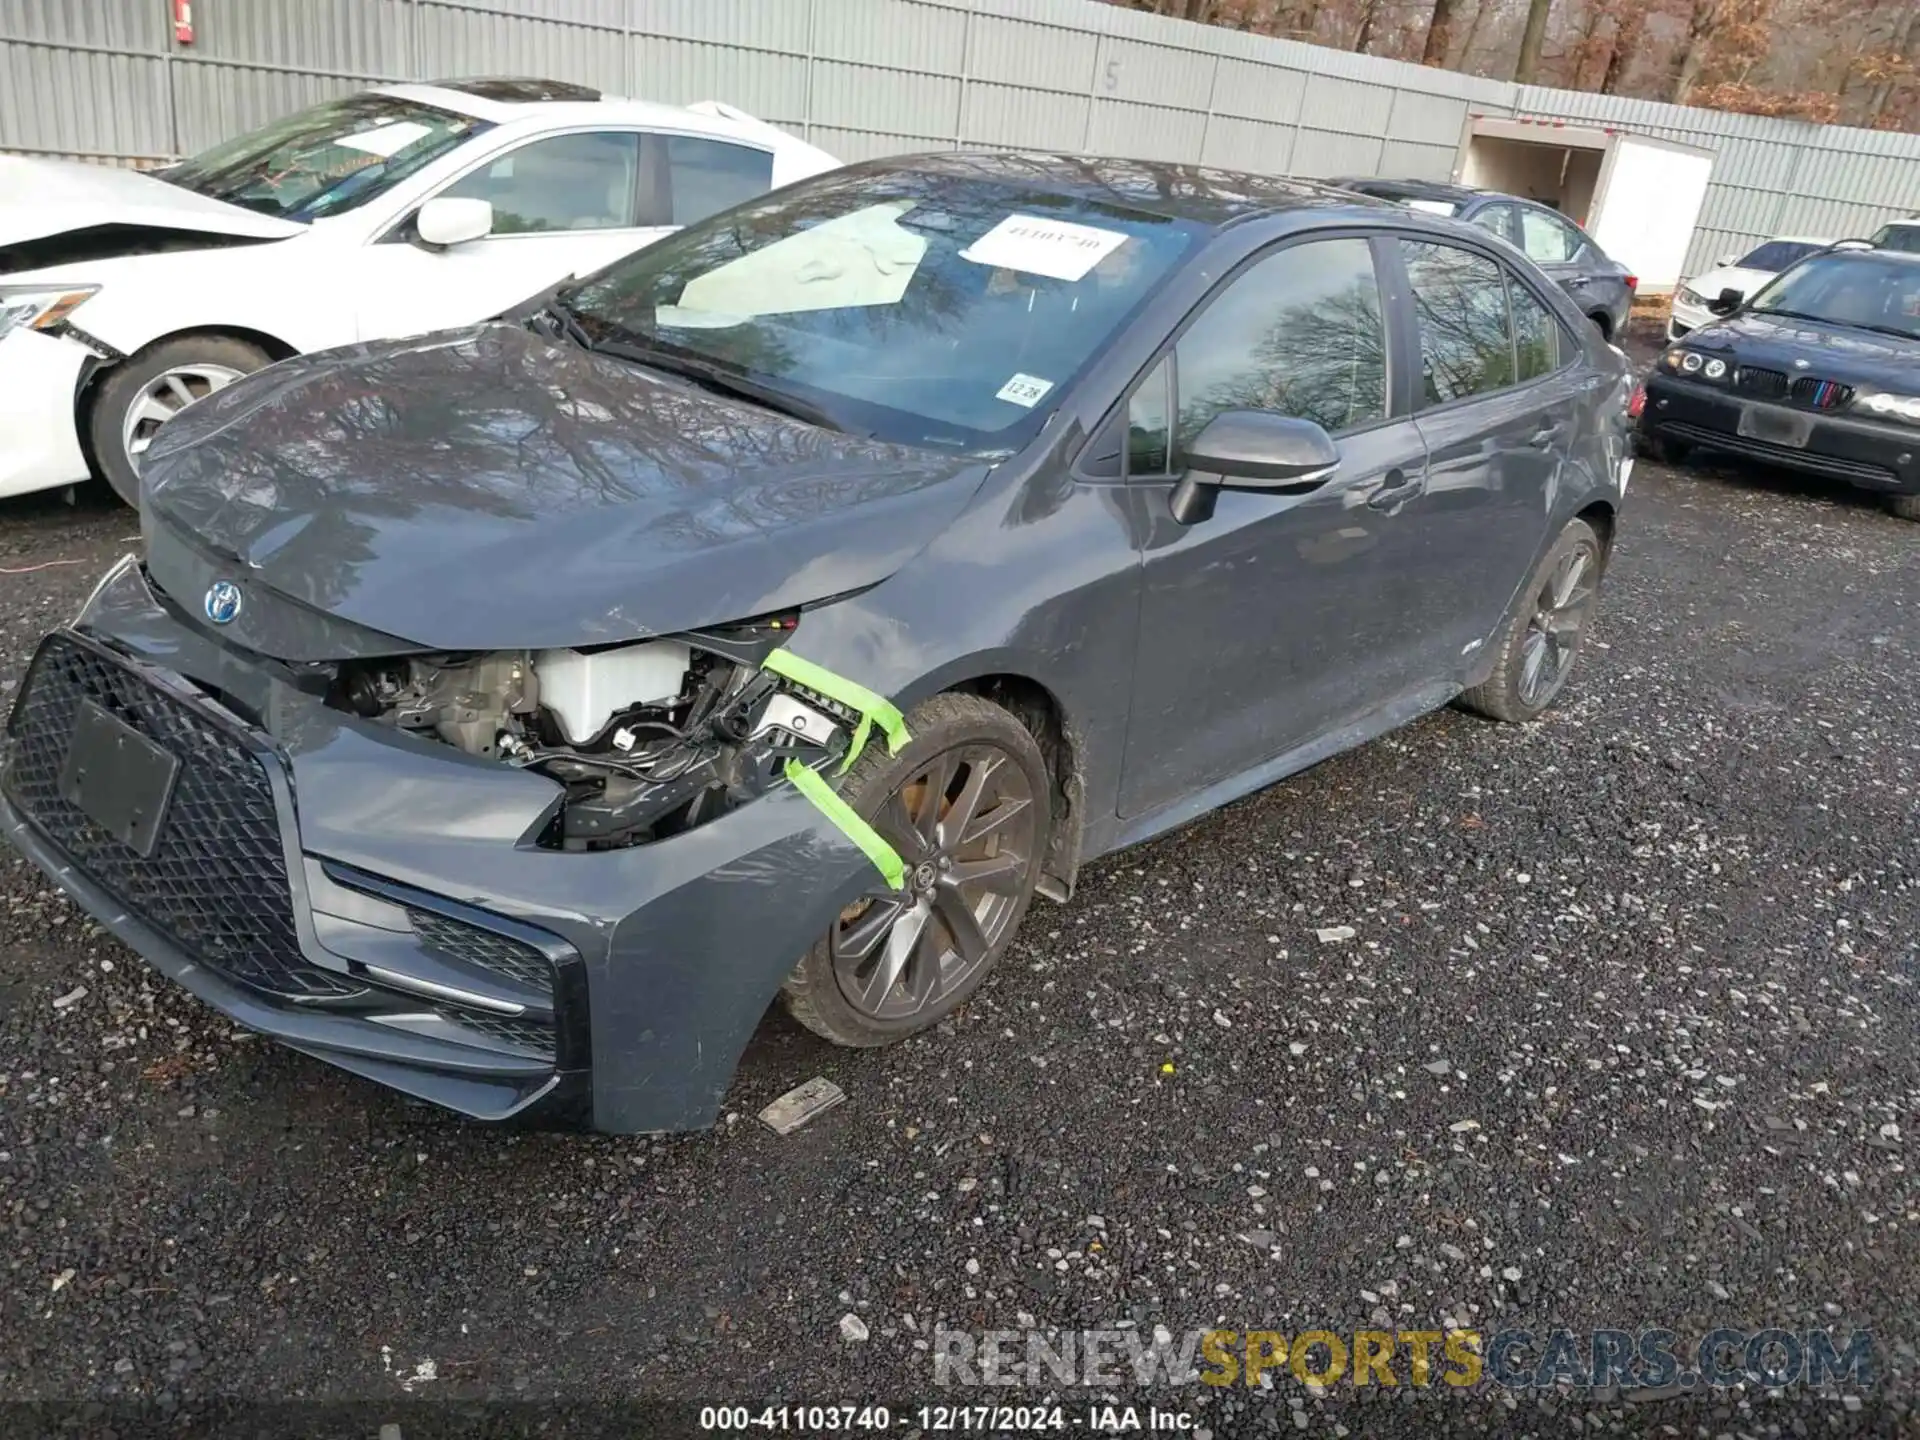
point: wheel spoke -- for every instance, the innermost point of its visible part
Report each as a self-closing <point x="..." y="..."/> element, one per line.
<point x="902" y="939"/>
<point x="896" y="822"/>
<point x="857" y="940"/>
<point x="957" y="915"/>
<point x="933" y="781"/>
<point x="152" y="409"/>
<point x="994" y="819"/>
<point x="999" y="873"/>
<point x="1536" y="654"/>
<point x="182" y="393"/>
<point x="1571" y="571"/>
<point x="959" y="817"/>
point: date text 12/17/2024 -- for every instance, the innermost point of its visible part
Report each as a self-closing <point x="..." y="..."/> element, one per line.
<point x="945" y="1419"/>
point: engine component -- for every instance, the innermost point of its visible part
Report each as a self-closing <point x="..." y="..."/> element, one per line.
<point x="584" y="691"/>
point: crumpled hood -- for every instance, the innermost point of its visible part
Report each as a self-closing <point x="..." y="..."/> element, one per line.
<point x="39" y="198"/>
<point x="1831" y="352"/>
<point x="486" y="489"/>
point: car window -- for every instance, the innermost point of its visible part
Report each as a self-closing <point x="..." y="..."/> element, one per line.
<point x="327" y="159"/>
<point x="1495" y="218"/>
<point x="1546" y="239"/>
<point x="1460" y="299"/>
<point x="565" y="182"/>
<point x="1300" y="332"/>
<point x="1536" y="334"/>
<point x="711" y="175"/>
<point x="1858" y="287"/>
<point x="1905" y="238"/>
<point x="1150" y="424"/>
<point x="1777" y="254"/>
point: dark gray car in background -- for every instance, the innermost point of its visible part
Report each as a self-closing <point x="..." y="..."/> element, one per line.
<point x="509" y="715"/>
<point x="1601" y="286"/>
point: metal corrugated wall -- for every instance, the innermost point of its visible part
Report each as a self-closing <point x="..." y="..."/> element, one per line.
<point x="105" y="80"/>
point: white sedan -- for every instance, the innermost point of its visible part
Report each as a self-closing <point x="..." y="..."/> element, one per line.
<point x="126" y="296"/>
<point x="1745" y="273"/>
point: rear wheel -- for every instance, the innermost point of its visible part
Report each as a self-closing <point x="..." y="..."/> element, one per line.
<point x="1540" y="640"/>
<point x="1907" y="507"/>
<point x="966" y="805"/>
<point x="142" y="393"/>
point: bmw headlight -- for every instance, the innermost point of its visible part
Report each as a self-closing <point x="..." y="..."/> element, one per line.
<point x="39" y="307"/>
<point x="1885" y="405"/>
<point x="1694" y="365"/>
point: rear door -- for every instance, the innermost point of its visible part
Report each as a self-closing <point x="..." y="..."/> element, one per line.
<point x="1500" y="389"/>
<point x="1263" y="626"/>
<point x="1572" y="260"/>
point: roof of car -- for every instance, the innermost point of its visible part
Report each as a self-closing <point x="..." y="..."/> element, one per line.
<point x="502" y="100"/>
<point x="1189" y="192"/>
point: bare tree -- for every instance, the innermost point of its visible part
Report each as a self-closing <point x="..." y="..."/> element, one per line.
<point x="1531" y="39"/>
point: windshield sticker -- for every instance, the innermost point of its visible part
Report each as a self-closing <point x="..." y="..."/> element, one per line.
<point x="1024" y="390"/>
<point x="1055" y="248"/>
<point x="861" y="259"/>
<point x="386" y="141"/>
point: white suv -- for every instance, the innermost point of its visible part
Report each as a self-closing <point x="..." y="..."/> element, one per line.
<point x="126" y="296"/>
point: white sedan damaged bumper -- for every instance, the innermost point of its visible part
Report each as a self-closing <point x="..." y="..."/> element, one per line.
<point x="39" y="439"/>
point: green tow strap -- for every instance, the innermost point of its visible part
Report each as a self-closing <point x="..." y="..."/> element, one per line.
<point x="872" y="710"/>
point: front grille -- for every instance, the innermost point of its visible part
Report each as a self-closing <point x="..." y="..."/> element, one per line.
<point x="216" y="882"/>
<point x="1772" y="384"/>
<point x="1821" y="394"/>
<point x="487" y="949"/>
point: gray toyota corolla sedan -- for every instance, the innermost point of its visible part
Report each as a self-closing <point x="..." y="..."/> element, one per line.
<point x="509" y="715"/>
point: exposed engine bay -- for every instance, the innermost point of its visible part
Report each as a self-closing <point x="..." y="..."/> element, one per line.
<point x="648" y="739"/>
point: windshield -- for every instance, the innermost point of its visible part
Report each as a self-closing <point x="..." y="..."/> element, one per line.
<point x="1856" y="288"/>
<point x="1905" y="238"/>
<point x="1777" y="254"/>
<point x="327" y="159"/>
<point x="925" y="309"/>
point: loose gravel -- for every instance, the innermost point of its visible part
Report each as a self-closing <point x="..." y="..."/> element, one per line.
<point x="1605" y="1021"/>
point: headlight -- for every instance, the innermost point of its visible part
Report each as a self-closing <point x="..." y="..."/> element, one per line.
<point x="41" y="307"/>
<point x="1685" y="296"/>
<point x="1694" y="365"/>
<point x="1889" y="406"/>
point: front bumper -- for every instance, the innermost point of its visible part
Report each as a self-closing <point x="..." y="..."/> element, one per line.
<point x="39" y="442"/>
<point x="1871" y="454"/>
<point x="380" y="902"/>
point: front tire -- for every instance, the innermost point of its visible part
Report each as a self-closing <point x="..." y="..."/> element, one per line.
<point x="967" y="806"/>
<point x="1541" y="639"/>
<point x="1662" y="452"/>
<point x="1907" y="507"/>
<point x="143" y="392"/>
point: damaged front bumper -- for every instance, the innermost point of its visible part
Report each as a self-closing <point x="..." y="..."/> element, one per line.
<point x="378" y="900"/>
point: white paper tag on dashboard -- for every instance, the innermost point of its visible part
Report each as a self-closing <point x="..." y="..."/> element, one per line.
<point x="1024" y="390"/>
<point x="1056" y="248"/>
<point x="386" y="141"/>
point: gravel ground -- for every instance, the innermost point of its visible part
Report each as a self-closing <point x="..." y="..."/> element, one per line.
<point x="1664" y="943"/>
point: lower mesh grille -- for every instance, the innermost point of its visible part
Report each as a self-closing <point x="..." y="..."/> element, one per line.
<point x="487" y="949"/>
<point x="216" y="883"/>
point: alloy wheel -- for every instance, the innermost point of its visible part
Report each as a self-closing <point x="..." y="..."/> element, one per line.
<point x="964" y="826"/>
<point x="1553" y="633"/>
<point x="164" y="397"/>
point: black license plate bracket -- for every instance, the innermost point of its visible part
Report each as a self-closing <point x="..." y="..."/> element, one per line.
<point x="1776" y="427"/>
<point x="118" y="778"/>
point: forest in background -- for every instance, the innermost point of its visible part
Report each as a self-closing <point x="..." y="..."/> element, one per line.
<point x="1845" y="63"/>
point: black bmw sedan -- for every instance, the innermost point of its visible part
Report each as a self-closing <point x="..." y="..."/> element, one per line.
<point x="1819" y="372"/>
<point x="510" y="715"/>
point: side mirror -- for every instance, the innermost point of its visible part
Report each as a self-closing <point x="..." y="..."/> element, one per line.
<point x="1727" y="301"/>
<point x="448" y="220"/>
<point x="1252" y="450"/>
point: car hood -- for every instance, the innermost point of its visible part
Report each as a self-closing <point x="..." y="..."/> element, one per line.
<point x="1728" y="277"/>
<point x="41" y="199"/>
<point x="486" y="489"/>
<point x="1829" y="352"/>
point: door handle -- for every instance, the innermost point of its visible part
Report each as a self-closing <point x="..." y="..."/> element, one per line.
<point x="1396" y="488"/>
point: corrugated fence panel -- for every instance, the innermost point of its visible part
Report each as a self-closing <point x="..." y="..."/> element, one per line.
<point x="873" y="77"/>
<point x="132" y="25"/>
<point x="464" y="40"/>
<point x="82" y="102"/>
<point x="360" y="38"/>
<point x="680" y="72"/>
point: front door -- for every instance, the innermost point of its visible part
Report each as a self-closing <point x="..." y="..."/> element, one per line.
<point x="1261" y="626"/>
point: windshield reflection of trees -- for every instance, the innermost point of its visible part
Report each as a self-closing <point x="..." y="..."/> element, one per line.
<point x="505" y="427"/>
